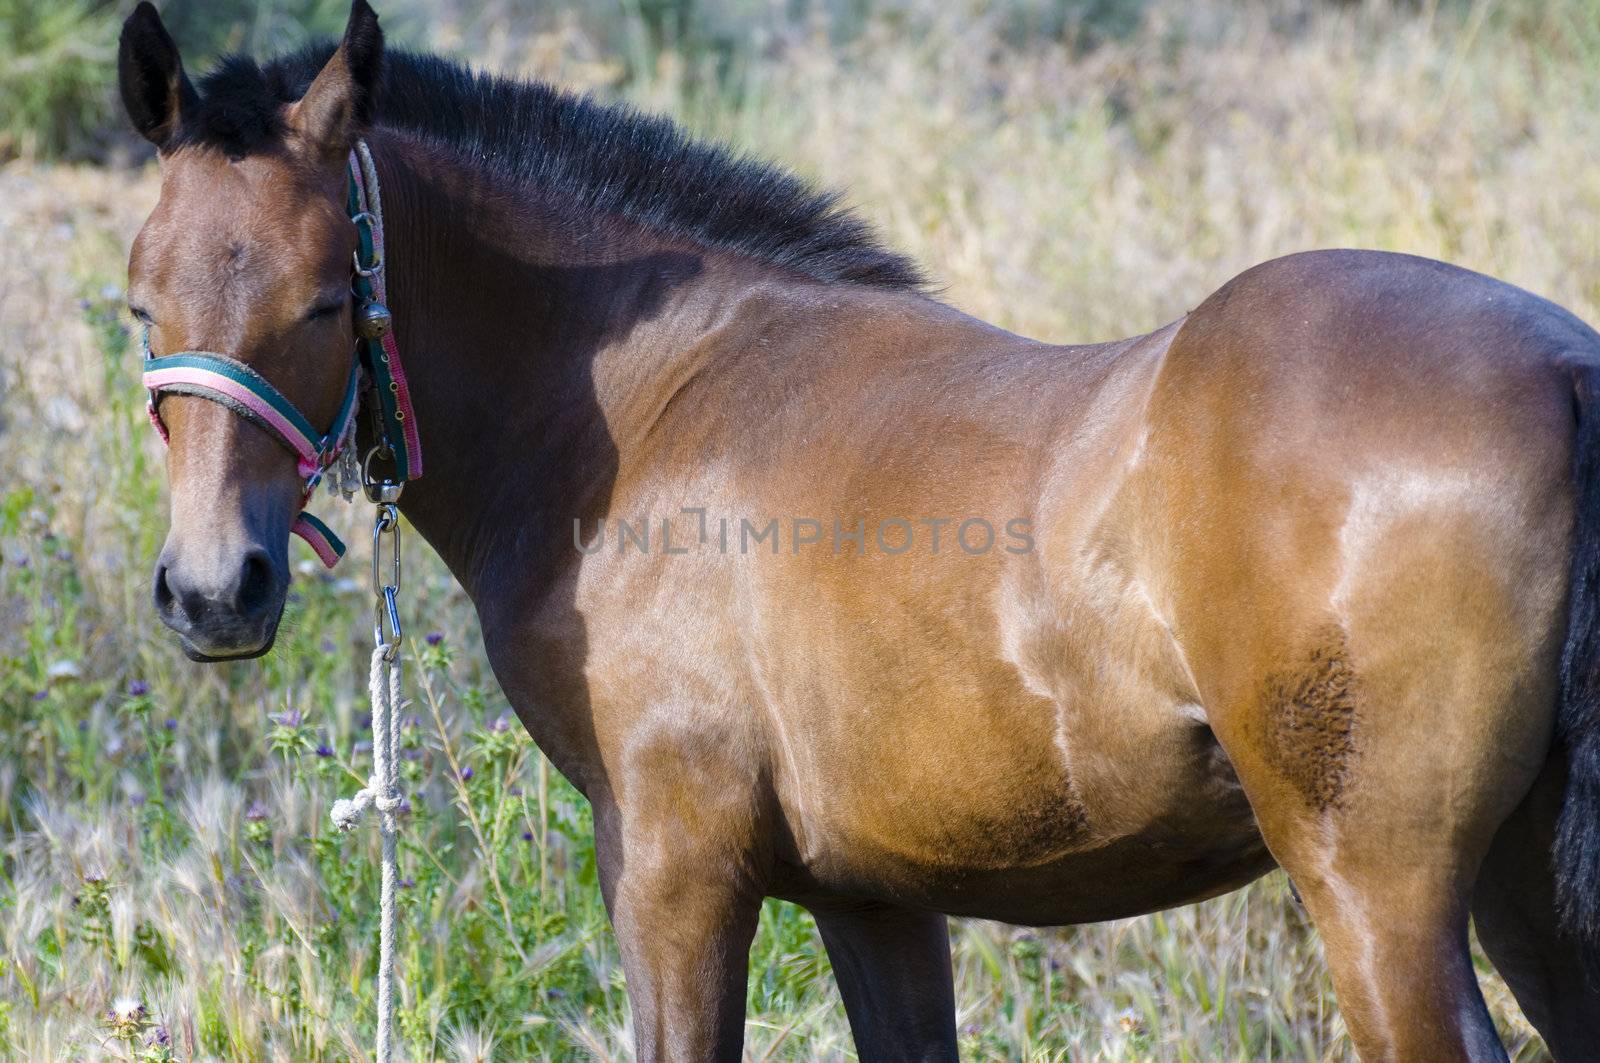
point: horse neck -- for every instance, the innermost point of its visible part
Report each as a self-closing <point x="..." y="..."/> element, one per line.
<point x="536" y="342"/>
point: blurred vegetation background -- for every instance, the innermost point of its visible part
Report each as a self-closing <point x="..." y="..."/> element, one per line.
<point x="170" y="887"/>
<point x="57" y="78"/>
<point x="57" y="74"/>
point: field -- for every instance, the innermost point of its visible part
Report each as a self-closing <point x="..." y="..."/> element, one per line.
<point x="170" y="884"/>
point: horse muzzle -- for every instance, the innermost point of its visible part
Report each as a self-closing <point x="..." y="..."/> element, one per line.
<point x="224" y="608"/>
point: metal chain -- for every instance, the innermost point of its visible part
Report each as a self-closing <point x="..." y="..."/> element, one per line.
<point x="386" y="630"/>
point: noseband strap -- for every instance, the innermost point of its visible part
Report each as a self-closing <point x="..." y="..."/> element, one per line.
<point x="230" y="383"/>
<point x="248" y="394"/>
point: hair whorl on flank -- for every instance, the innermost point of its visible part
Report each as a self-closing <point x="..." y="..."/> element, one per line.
<point x="608" y="158"/>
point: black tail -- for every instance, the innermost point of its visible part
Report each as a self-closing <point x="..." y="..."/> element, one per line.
<point x="1577" y="848"/>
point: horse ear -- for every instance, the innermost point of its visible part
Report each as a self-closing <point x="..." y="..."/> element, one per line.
<point x="155" y="90"/>
<point x="339" y="105"/>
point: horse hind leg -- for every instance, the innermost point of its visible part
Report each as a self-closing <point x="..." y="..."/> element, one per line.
<point x="1514" y="907"/>
<point x="1381" y="750"/>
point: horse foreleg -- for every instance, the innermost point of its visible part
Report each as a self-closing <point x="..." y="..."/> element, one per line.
<point x="893" y="970"/>
<point x="684" y="913"/>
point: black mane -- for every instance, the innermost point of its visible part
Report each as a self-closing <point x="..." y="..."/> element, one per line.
<point x="610" y="159"/>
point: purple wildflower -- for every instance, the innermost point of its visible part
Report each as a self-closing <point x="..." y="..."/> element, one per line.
<point x="406" y="883"/>
<point x="125" y="1015"/>
<point x="435" y="637"/>
<point x="404" y="807"/>
<point x="40" y="695"/>
<point x="256" y="812"/>
<point x="366" y="721"/>
<point x="324" y="750"/>
<point x="287" y="718"/>
<point x="527" y="835"/>
<point x="137" y="800"/>
<point x="466" y="773"/>
<point x="171" y="724"/>
<point x="158" y="1038"/>
<point x="138" y="688"/>
<point x="501" y="723"/>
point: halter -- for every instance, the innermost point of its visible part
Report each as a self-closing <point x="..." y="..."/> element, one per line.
<point x="376" y="362"/>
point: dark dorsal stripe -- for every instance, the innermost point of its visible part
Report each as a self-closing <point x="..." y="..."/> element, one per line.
<point x="608" y="158"/>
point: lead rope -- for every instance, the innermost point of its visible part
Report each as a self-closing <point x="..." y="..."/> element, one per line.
<point x="382" y="789"/>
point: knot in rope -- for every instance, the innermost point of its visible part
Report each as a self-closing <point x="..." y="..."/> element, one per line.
<point x="347" y="811"/>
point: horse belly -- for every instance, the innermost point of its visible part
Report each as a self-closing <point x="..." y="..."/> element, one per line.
<point x="998" y="822"/>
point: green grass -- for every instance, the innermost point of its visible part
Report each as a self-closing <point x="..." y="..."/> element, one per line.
<point x="55" y="60"/>
<point x="1071" y="193"/>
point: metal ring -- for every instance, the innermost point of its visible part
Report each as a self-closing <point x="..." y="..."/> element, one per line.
<point x="367" y="271"/>
<point x="382" y="492"/>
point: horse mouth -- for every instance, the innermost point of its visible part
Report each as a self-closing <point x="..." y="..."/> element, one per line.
<point x="206" y="651"/>
<point x="199" y="656"/>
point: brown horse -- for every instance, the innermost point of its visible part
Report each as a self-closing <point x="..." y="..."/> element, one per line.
<point x="822" y="590"/>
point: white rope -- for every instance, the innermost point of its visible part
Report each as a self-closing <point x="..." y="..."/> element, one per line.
<point x="381" y="792"/>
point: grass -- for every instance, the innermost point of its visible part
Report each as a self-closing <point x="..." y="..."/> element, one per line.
<point x="166" y="842"/>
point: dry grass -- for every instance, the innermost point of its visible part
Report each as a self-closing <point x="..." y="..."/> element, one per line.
<point x="1069" y="197"/>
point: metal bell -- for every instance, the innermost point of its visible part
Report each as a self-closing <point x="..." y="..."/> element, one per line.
<point x="373" y="320"/>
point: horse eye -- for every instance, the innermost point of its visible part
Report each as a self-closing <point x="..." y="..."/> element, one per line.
<point x="140" y="315"/>
<point x="317" y="313"/>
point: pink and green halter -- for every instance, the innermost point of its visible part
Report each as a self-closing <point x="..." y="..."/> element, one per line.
<point x="376" y="363"/>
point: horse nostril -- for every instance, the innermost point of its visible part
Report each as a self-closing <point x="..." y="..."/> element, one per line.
<point x="255" y="583"/>
<point x="165" y="599"/>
